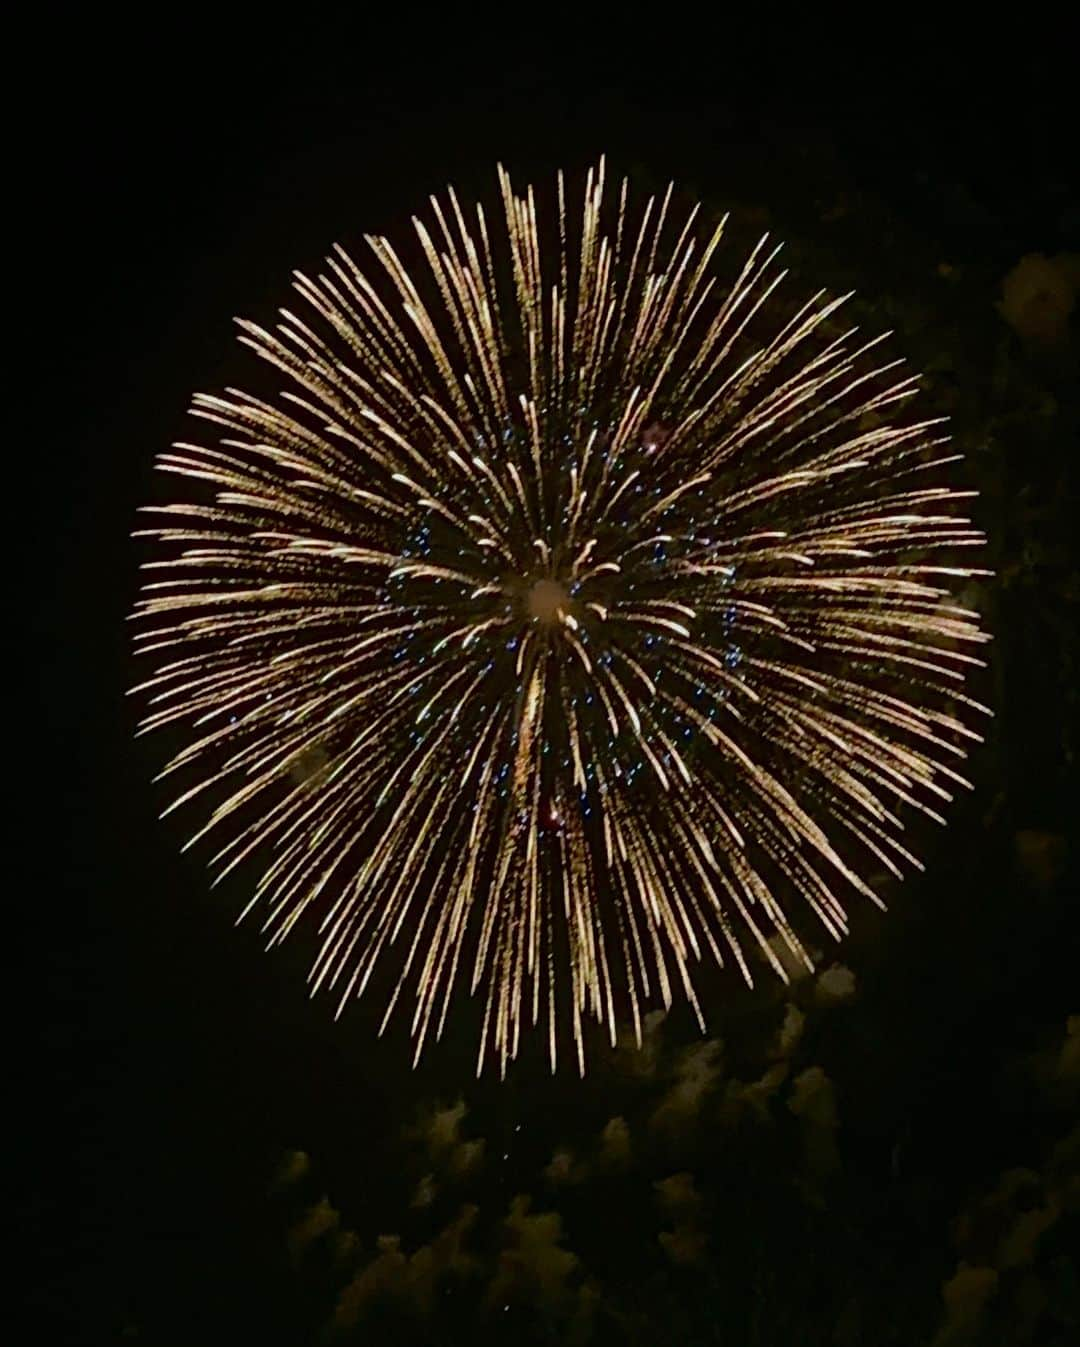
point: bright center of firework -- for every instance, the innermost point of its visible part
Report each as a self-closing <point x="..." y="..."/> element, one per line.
<point x="547" y="598"/>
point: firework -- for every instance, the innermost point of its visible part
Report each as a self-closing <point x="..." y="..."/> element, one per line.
<point x="568" y="617"/>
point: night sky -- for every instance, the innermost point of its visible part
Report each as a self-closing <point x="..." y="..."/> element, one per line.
<point x="863" y="1193"/>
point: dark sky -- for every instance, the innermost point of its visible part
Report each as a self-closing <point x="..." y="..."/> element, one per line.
<point x="180" y="182"/>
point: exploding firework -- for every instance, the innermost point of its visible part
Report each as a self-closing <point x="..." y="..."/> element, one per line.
<point x="569" y="617"/>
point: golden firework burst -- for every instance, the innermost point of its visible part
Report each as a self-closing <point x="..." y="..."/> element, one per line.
<point x="568" y="617"/>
